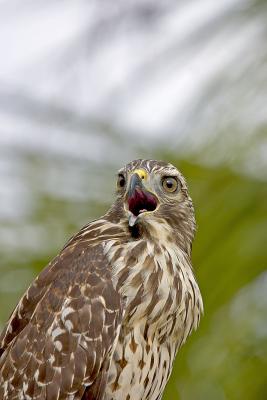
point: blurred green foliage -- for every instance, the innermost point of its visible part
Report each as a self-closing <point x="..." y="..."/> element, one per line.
<point x="227" y="357"/>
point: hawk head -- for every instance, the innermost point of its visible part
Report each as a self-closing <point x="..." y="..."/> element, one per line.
<point x="153" y="200"/>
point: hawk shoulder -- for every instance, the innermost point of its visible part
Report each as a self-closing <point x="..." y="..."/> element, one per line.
<point x="59" y="339"/>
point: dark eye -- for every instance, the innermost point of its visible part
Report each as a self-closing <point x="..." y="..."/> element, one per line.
<point x="170" y="184"/>
<point x="121" y="181"/>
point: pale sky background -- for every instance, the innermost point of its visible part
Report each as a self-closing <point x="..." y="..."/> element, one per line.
<point x="102" y="82"/>
<point x="183" y="70"/>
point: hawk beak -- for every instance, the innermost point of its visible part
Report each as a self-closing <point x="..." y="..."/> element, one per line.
<point x="140" y="200"/>
<point x="135" y="182"/>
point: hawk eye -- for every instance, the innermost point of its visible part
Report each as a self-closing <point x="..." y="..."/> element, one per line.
<point x="121" y="181"/>
<point x="170" y="184"/>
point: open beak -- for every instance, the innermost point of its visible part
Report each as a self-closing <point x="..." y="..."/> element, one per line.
<point x="139" y="199"/>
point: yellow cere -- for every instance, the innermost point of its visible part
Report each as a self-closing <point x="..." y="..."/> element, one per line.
<point x="141" y="173"/>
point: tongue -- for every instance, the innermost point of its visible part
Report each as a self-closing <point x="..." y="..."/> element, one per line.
<point x="141" y="201"/>
<point x="133" y="218"/>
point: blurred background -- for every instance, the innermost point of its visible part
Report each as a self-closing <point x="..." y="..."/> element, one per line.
<point x="85" y="87"/>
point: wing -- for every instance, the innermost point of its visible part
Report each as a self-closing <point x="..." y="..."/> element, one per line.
<point x="59" y="340"/>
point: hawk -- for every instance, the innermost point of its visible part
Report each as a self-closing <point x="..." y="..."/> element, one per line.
<point x="105" y="319"/>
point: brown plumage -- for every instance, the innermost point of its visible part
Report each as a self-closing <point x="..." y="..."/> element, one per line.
<point x="105" y="318"/>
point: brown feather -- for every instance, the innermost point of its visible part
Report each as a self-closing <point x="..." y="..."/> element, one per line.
<point x="105" y="318"/>
<point x="78" y="280"/>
